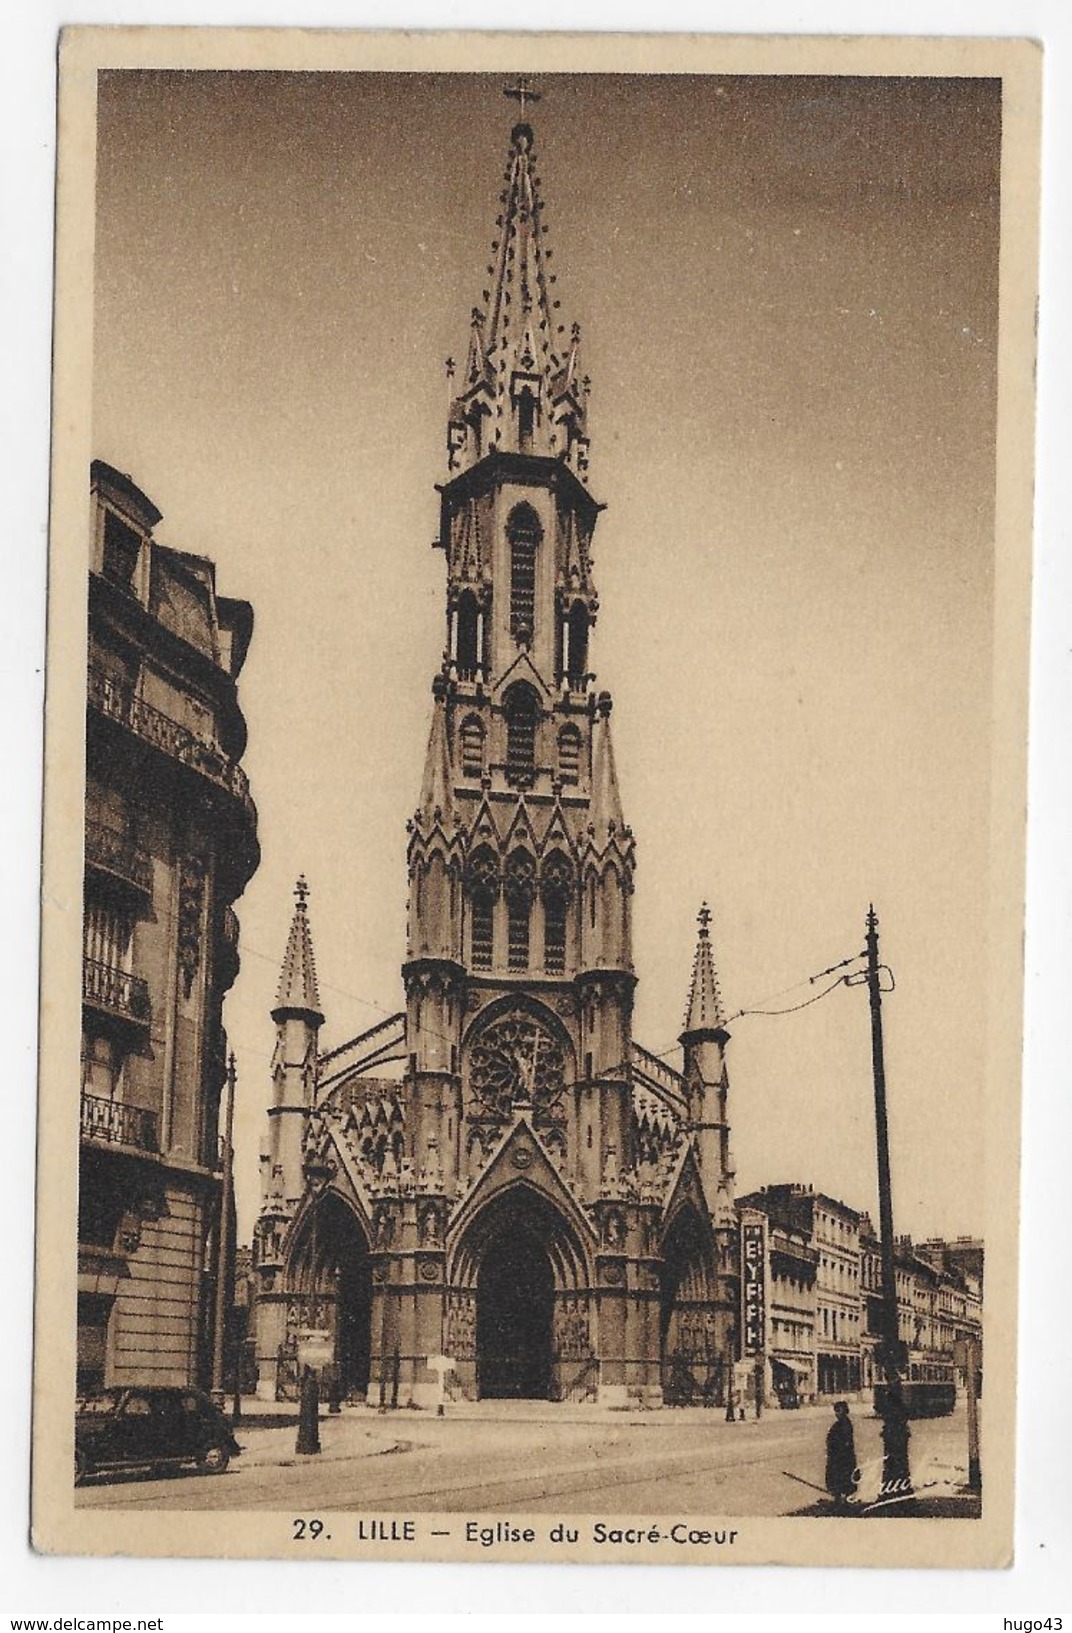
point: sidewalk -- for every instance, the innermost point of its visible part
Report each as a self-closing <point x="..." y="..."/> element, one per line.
<point x="268" y="1439"/>
<point x="258" y="1414"/>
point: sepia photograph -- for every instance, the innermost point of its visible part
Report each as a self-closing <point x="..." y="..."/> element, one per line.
<point x="550" y="623"/>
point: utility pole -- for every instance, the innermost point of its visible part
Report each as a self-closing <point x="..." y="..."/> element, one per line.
<point x="223" y="1238"/>
<point x="895" y="1472"/>
<point x="971" y="1365"/>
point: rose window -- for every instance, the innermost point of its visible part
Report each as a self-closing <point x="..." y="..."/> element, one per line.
<point x="517" y="1058"/>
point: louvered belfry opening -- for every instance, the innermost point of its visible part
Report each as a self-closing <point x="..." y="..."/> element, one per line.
<point x="468" y="659"/>
<point x="483" y="883"/>
<point x="524" y="533"/>
<point x="521" y="707"/>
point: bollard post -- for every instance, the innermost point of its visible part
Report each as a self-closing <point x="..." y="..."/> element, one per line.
<point x="308" y="1441"/>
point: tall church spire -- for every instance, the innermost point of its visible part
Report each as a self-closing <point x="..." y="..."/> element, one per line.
<point x="298" y="992"/>
<point x="703" y="1013"/>
<point x="437" y="791"/>
<point x="522" y="391"/>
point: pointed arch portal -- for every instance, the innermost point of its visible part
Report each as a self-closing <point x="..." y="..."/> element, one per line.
<point x="522" y="1260"/>
<point x="693" y="1367"/>
<point x="331" y="1272"/>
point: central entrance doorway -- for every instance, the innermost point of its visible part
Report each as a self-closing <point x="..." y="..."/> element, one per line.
<point x="515" y="1300"/>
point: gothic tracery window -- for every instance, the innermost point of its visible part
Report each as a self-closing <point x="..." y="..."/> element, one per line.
<point x="519" y="887"/>
<point x="483" y="878"/>
<point x="557" y="882"/>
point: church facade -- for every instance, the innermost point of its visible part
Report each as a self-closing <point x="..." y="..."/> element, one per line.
<point x="498" y="1192"/>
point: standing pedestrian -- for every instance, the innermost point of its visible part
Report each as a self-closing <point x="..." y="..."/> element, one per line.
<point x="842" y="1475"/>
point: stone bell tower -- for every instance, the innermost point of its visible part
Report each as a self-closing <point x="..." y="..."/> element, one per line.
<point x="520" y="860"/>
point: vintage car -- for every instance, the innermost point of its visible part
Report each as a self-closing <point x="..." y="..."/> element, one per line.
<point x="145" y="1427"/>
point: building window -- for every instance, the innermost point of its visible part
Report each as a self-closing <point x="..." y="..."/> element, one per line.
<point x="94" y="1314"/>
<point x="472" y="747"/>
<point x="524" y="533"/>
<point x="522" y="709"/>
<point x="121" y="546"/>
<point x="106" y="937"/>
<point x="569" y="754"/>
<point x="101" y="1065"/>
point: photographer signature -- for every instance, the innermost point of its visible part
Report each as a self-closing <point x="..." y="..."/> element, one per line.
<point x="947" y="1478"/>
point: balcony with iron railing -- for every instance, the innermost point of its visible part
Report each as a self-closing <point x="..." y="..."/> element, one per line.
<point x="110" y="1122"/>
<point x="116" y="992"/>
<point x="114" y="855"/>
<point x="117" y="700"/>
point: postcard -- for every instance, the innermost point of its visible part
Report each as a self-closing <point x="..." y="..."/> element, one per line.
<point x="534" y="817"/>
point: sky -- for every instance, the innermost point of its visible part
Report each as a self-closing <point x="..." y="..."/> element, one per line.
<point x="788" y="296"/>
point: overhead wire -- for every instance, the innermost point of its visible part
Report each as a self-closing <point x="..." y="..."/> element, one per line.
<point x="659" y="1054"/>
<point x="747" y="1012"/>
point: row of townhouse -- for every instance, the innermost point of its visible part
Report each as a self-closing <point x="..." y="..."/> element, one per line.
<point x="822" y="1296"/>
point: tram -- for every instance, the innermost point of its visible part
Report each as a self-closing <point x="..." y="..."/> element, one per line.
<point x="928" y="1389"/>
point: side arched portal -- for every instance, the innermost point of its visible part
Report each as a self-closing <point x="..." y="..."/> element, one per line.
<point x="330" y="1286"/>
<point x="693" y="1367"/>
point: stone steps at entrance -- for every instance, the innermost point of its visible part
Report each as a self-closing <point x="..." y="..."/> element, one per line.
<point x="520" y="1410"/>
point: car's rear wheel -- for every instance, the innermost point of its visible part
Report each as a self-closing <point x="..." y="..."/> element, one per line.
<point x="81" y="1465"/>
<point x="214" y="1459"/>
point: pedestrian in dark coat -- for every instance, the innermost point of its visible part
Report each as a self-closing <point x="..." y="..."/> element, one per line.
<point x="842" y="1474"/>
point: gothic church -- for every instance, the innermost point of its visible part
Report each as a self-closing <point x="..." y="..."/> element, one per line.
<point x="529" y="1204"/>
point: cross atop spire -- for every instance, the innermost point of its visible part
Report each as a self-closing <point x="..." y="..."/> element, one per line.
<point x="704" y="1012"/>
<point x="522" y="92"/>
<point x="298" y="992"/>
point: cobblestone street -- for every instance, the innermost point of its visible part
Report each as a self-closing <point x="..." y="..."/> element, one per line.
<point x="533" y="1458"/>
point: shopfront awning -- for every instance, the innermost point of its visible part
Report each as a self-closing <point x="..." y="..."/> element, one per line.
<point x="800" y="1370"/>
